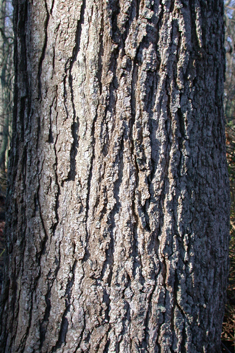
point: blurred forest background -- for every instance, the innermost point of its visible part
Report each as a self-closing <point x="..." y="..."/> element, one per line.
<point x="6" y="106"/>
<point x="228" y="334"/>
<point x="6" y="86"/>
<point x="6" y="110"/>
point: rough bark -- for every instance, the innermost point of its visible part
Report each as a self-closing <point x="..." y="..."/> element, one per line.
<point x="118" y="202"/>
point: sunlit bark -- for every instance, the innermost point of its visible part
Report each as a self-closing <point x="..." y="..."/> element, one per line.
<point x="118" y="206"/>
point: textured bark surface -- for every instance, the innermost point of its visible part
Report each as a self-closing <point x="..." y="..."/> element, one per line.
<point x="118" y="206"/>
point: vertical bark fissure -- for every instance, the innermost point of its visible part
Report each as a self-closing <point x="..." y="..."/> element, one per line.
<point x="106" y="348"/>
<point x="52" y="6"/>
<point x="101" y="52"/>
<point x="86" y="256"/>
<point x="64" y="321"/>
<point x="81" y="336"/>
<point x="115" y="210"/>
<point x="57" y="194"/>
<point x="132" y="122"/>
<point x="44" y="323"/>
<point x="43" y="51"/>
<point x="111" y="106"/>
<point x="75" y="124"/>
<point x="148" y="315"/>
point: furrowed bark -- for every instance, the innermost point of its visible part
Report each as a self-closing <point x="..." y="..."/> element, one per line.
<point x="118" y="202"/>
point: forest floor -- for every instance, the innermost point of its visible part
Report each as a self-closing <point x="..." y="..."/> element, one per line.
<point x="228" y="334"/>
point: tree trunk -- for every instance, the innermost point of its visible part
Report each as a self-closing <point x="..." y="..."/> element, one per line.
<point x="2" y="78"/>
<point x="6" y="84"/>
<point x="118" y="202"/>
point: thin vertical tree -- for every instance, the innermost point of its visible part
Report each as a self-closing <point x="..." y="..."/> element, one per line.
<point x="6" y="84"/>
<point x="118" y="201"/>
<point x="2" y="42"/>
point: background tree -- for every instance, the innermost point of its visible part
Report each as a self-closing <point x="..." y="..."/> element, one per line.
<point x="6" y="86"/>
<point x="118" y="203"/>
<point x="6" y="104"/>
<point x="228" y="334"/>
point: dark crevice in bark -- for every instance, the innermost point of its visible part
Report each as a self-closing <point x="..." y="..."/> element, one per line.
<point x="65" y="92"/>
<point x="44" y="322"/>
<point x="104" y="209"/>
<point x="57" y="193"/>
<point x="151" y="89"/>
<point x="106" y="348"/>
<point x="153" y="124"/>
<point x="115" y="10"/>
<point x="17" y="271"/>
<point x="182" y="138"/>
<point x="184" y="335"/>
<point x="172" y="5"/>
<point x="43" y="51"/>
<point x="62" y="334"/>
<point x="98" y="349"/>
<point x="78" y="34"/>
<point x="101" y="53"/>
<point x="105" y="145"/>
<point x="50" y="137"/>
<point x="116" y="189"/>
<point x="84" y="337"/>
<point x="110" y="251"/>
<point x="39" y="256"/>
<point x="111" y="107"/>
<point x="158" y="24"/>
<point x="148" y="316"/>
<point x="108" y="262"/>
<point x="46" y="236"/>
<point x="137" y="4"/>
<point x="106" y="299"/>
<point x="169" y="119"/>
<point x="86" y="256"/>
<point x="194" y="39"/>
<point x="64" y="323"/>
<point x="133" y="15"/>
<point x="22" y="117"/>
<point x="53" y="60"/>
<point x="50" y="140"/>
<point x="176" y="304"/>
<point x="177" y="56"/>
<point x="75" y="124"/>
<point x="74" y="147"/>
<point x="135" y="250"/>
<point x="52" y="6"/>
